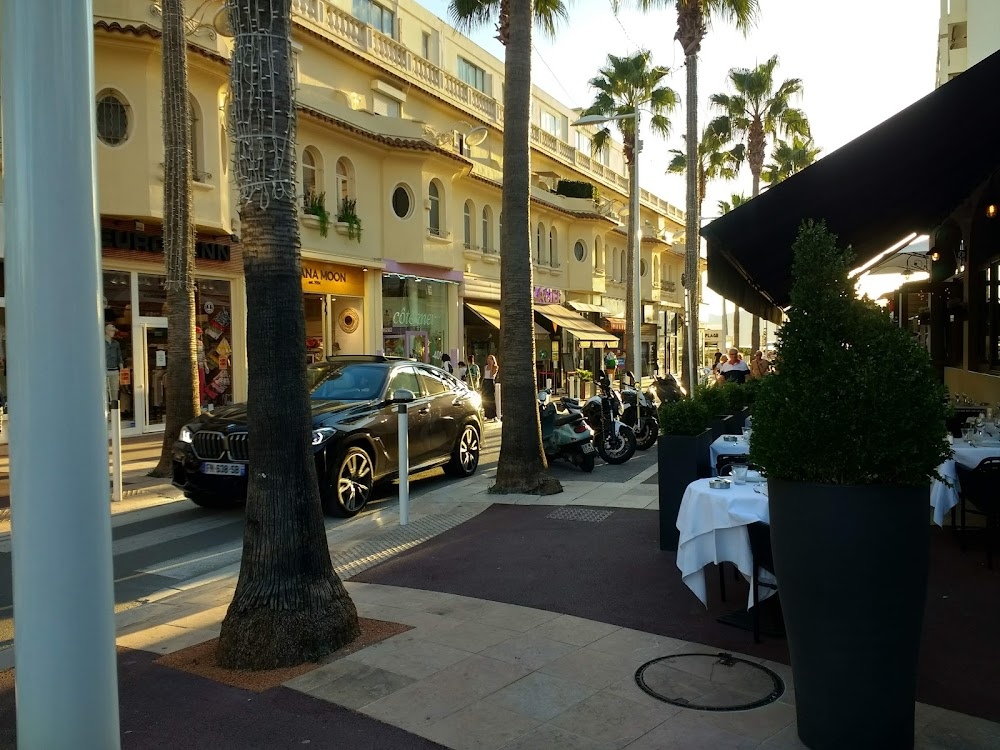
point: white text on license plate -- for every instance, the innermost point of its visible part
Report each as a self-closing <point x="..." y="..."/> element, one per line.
<point x="228" y="470"/>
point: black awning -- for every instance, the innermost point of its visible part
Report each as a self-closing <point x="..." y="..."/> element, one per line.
<point x="905" y="175"/>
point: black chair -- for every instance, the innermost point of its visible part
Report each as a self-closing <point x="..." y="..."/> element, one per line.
<point x="724" y="463"/>
<point x="980" y="489"/>
<point x="760" y="552"/>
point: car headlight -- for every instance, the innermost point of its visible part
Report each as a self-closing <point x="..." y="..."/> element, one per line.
<point x="321" y="434"/>
<point x="187" y="435"/>
<point x="475" y="399"/>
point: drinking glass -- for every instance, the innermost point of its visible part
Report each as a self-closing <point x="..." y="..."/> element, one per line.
<point x="746" y="434"/>
<point x="740" y="473"/>
<point x="967" y="434"/>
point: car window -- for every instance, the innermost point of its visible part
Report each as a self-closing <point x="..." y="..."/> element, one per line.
<point x="404" y="378"/>
<point x="435" y="383"/>
<point x="347" y="382"/>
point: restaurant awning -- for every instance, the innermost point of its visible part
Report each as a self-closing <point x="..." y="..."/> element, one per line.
<point x="575" y="323"/>
<point x="587" y="307"/>
<point x="903" y="176"/>
<point x="491" y="316"/>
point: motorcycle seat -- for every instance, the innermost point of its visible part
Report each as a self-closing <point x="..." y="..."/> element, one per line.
<point x="562" y="419"/>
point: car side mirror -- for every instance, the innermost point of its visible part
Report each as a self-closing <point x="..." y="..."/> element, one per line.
<point x="402" y="396"/>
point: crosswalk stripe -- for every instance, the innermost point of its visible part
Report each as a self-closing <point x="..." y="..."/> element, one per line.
<point x="170" y="532"/>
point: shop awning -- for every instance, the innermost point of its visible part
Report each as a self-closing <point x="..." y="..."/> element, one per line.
<point x="903" y="176"/>
<point x="587" y="307"/>
<point x="575" y="323"/>
<point x="491" y="316"/>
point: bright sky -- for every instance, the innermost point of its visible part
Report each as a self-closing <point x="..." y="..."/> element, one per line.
<point x="860" y="61"/>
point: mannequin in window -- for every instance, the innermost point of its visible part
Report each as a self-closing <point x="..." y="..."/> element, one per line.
<point x="113" y="361"/>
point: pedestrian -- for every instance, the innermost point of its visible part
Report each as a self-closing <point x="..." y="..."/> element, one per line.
<point x="734" y="369"/>
<point x="446" y="364"/>
<point x="490" y="376"/>
<point x="610" y="364"/>
<point x="474" y="373"/>
<point x="716" y="375"/>
<point x="462" y="372"/>
<point x="759" y="367"/>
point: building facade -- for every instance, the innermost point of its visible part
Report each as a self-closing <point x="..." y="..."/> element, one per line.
<point x="968" y="33"/>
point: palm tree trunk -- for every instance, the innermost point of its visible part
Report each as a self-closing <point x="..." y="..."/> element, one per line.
<point x="692" y="276"/>
<point x="756" y="165"/>
<point x="522" y="466"/>
<point x="289" y="607"/>
<point x="631" y="252"/>
<point x="178" y="235"/>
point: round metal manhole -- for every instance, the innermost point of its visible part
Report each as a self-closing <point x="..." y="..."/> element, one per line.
<point x="710" y="682"/>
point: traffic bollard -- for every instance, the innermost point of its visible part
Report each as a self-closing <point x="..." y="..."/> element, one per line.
<point x="116" y="452"/>
<point x="404" y="465"/>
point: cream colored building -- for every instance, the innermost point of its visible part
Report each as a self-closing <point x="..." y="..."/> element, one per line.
<point x="969" y="32"/>
<point x="401" y="116"/>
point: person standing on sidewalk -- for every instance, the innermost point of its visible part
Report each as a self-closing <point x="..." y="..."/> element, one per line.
<point x="490" y="376"/>
<point x="473" y="374"/>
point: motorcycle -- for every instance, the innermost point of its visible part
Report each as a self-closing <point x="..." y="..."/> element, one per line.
<point x="565" y="435"/>
<point x="668" y="389"/>
<point x="639" y="414"/>
<point x="615" y="440"/>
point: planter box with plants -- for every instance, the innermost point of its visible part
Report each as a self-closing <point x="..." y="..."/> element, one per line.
<point x="715" y="398"/>
<point x="683" y="443"/>
<point x="849" y="449"/>
<point x="314" y="213"/>
<point x="348" y="223"/>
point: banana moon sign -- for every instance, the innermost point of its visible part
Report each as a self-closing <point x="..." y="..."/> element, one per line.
<point x="332" y="278"/>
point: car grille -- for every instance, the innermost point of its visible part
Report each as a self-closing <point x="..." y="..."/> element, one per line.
<point x="209" y="446"/>
<point x="238" y="450"/>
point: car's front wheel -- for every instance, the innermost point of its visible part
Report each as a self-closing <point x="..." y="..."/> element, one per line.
<point x="351" y="483"/>
<point x="465" y="455"/>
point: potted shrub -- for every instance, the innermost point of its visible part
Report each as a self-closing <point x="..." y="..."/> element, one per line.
<point x="733" y="397"/>
<point x="682" y="447"/>
<point x="348" y="221"/>
<point x="712" y="395"/>
<point x="849" y="448"/>
<point x="315" y="205"/>
<point x="584" y="377"/>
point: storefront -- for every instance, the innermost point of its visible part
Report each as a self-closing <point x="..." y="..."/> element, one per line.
<point x="571" y="336"/>
<point x="334" y="301"/>
<point x="480" y="319"/>
<point x="417" y="318"/>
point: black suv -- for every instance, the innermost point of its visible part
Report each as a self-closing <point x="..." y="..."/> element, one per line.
<point x="354" y="433"/>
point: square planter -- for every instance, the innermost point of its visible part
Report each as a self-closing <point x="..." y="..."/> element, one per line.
<point x="678" y="461"/>
<point x="722" y="424"/>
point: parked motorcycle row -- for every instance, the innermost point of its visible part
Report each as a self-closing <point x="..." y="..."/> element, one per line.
<point x="612" y="424"/>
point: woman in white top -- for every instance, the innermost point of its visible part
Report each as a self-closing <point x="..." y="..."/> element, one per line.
<point x="490" y="375"/>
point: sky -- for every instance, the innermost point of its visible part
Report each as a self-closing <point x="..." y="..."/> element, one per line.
<point x="860" y="62"/>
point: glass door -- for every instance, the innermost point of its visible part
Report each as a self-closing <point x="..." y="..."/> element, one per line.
<point x="417" y="346"/>
<point x="154" y="346"/>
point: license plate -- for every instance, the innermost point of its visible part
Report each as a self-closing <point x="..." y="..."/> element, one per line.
<point x="587" y="448"/>
<point x="226" y="470"/>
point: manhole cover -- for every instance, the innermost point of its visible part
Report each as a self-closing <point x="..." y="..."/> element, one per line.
<point x="580" y="514"/>
<point x="710" y="682"/>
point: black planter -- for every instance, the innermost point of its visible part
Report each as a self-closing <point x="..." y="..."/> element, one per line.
<point x="851" y="563"/>
<point x="741" y="418"/>
<point x="678" y="463"/>
<point x="721" y="424"/>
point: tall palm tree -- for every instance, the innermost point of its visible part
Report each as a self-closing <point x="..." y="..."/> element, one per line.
<point x="757" y="112"/>
<point x="626" y="85"/>
<point x="289" y="606"/>
<point x="789" y="158"/>
<point x="693" y="18"/>
<point x="522" y="467"/>
<point x="178" y="235"/>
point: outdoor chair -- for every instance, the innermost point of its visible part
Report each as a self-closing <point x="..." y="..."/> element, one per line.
<point x="979" y="495"/>
<point x="724" y="463"/>
<point x="760" y="551"/>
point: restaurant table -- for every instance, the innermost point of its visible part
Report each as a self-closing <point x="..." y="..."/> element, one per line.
<point x="713" y="529"/>
<point x="722" y="447"/>
<point x="944" y="495"/>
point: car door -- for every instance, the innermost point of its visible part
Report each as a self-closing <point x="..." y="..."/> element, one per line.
<point x="442" y="430"/>
<point x="418" y="412"/>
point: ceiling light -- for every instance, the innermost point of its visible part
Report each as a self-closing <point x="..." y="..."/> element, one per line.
<point x="991" y="210"/>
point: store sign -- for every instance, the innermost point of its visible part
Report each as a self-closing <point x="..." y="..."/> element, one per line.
<point x="331" y="278"/>
<point x="712" y="338"/>
<point x="117" y="239"/>
<point x="545" y="296"/>
<point x="412" y="319"/>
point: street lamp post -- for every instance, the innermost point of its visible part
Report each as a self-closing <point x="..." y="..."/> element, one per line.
<point x="635" y="342"/>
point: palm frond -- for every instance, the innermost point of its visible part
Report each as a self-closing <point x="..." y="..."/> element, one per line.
<point x="469" y="15"/>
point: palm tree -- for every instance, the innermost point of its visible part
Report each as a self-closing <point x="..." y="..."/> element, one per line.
<point x="693" y="17"/>
<point x="624" y="86"/>
<point x="178" y="235"/>
<point x="756" y="113"/>
<point x="289" y="606"/>
<point x="789" y="158"/>
<point x="522" y="467"/>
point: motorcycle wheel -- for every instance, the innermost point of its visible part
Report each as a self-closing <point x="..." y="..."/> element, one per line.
<point x="617" y="449"/>
<point x="587" y="463"/>
<point x="645" y="438"/>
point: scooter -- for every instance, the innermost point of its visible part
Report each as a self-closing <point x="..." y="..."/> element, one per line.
<point x="615" y="440"/>
<point x="668" y="389"/>
<point x="565" y="435"/>
<point x="639" y="414"/>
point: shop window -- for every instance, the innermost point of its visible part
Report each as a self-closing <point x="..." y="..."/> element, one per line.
<point x="312" y="174"/>
<point x="579" y="251"/>
<point x="198" y="173"/>
<point x="119" y="357"/>
<point x="214" y="333"/>
<point x="345" y="181"/>
<point x="113" y="115"/>
<point x="402" y="201"/>
<point x="553" y="248"/>
<point x="467" y="225"/>
<point x="435" y="214"/>
<point x="487" y="229"/>
<point x="152" y="296"/>
<point x="415" y="318"/>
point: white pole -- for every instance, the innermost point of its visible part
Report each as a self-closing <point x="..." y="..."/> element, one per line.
<point x="496" y="393"/>
<point x="404" y="465"/>
<point x="66" y="682"/>
<point x="116" y="453"/>
<point x="636" y="230"/>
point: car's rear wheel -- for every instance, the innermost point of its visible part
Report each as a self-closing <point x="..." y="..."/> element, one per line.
<point x="209" y="500"/>
<point x="465" y="455"/>
<point x="351" y="483"/>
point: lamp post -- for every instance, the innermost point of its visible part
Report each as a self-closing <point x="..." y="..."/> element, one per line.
<point x="634" y="342"/>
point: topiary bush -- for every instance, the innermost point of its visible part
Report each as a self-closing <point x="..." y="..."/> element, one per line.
<point x="687" y="416"/>
<point x="713" y="397"/>
<point x="856" y="400"/>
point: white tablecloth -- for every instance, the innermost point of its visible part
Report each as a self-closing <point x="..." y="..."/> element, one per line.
<point x="722" y="447"/>
<point x="945" y="497"/>
<point x="713" y="528"/>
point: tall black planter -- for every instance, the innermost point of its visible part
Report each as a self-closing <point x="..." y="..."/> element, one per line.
<point x="721" y="425"/>
<point x="851" y="563"/>
<point x="678" y="461"/>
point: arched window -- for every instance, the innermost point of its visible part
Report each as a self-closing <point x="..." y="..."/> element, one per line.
<point x="198" y="173"/>
<point x="312" y="174"/>
<point x="434" y="195"/>
<point x="539" y="238"/>
<point x="624" y="265"/>
<point x="614" y="264"/>
<point x="553" y="248"/>
<point x="656" y="269"/>
<point x="345" y="182"/>
<point x="487" y="239"/>
<point x="467" y="225"/>
<point x="598" y="254"/>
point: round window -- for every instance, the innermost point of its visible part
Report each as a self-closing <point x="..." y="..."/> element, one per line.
<point x="402" y="201"/>
<point x="112" y="119"/>
<point x="642" y="267"/>
<point x="579" y="251"/>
